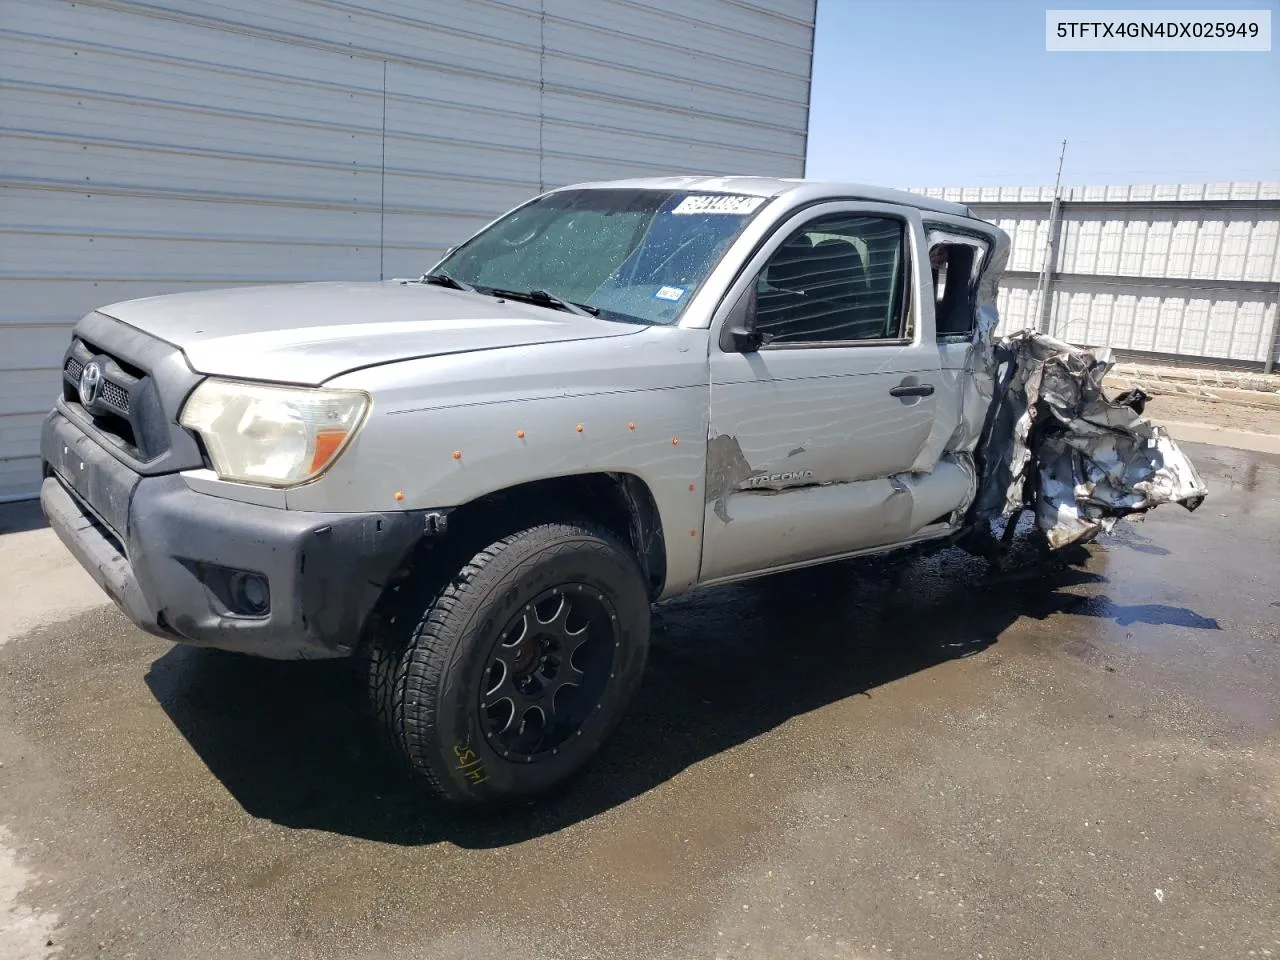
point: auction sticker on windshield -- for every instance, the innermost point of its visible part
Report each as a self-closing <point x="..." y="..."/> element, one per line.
<point x="717" y="203"/>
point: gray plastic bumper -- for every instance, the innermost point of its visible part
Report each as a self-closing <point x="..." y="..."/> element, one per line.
<point x="169" y="556"/>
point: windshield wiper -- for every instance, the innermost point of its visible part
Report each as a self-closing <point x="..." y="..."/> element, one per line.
<point x="444" y="280"/>
<point x="543" y="299"/>
<point x="539" y="297"/>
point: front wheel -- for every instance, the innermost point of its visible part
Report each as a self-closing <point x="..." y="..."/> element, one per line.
<point x="509" y="680"/>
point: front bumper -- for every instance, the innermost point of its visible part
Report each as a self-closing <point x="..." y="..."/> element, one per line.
<point x="170" y="557"/>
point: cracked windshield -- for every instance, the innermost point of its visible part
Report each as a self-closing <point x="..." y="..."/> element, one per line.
<point x="636" y="256"/>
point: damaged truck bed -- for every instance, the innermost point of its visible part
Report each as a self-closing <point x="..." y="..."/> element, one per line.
<point x="1051" y="440"/>
<point x="1055" y="443"/>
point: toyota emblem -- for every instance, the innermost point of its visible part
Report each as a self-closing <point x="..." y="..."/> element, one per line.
<point x="90" y="383"/>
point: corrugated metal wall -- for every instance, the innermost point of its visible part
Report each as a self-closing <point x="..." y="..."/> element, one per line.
<point x="152" y="147"/>
<point x="1185" y="271"/>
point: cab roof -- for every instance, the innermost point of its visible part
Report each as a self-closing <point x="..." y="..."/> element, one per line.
<point x="774" y="187"/>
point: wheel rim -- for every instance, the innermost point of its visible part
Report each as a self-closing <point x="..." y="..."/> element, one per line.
<point x="547" y="672"/>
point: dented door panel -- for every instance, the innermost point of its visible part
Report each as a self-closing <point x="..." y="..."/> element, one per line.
<point x="947" y="401"/>
<point x="804" y="440"/>
<point x="786" y="421"/>
<point x="776" y="528"/>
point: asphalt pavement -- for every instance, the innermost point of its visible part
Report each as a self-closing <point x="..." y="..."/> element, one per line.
<point x="860" y="761"/>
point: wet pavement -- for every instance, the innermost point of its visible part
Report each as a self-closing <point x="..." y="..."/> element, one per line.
<point x="860" y="761"/>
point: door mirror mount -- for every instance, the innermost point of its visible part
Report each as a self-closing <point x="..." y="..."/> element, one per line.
<point x="738" y="333"/>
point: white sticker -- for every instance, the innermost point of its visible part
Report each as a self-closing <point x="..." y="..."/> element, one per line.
<point x="717" y="203"/>
<point x="669" y="293"/>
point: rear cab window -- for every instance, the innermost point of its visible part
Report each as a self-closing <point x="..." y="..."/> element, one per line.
<point x="956" y="261"/>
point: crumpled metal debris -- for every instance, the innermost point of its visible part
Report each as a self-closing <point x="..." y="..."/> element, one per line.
<point x="1053" y="441"/>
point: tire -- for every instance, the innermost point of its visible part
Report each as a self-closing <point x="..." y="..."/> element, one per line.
<point x="511" y="675"/>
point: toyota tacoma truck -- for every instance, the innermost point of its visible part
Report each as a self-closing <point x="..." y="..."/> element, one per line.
<point x="478" y="481"/>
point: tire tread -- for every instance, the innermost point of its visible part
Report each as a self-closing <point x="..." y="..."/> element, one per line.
<point x="409" y="667"/>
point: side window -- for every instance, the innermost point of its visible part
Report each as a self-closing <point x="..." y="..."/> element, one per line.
<point x="955" y="268"/>
<point x="838" y="278"/>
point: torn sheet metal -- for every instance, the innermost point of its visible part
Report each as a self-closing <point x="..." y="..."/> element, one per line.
<point x="1055" y="442"/>
<point x="727" y="470"/>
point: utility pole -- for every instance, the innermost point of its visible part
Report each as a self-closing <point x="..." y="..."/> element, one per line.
<point x="1044" y="284"/>
<point x="1272" y="336"/>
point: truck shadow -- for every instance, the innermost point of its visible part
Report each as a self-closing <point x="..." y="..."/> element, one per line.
<point x="292" y="742"/>
<point x="21" y="516"/>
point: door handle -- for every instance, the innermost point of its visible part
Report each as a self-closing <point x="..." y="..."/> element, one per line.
<point x="912" y="390"/>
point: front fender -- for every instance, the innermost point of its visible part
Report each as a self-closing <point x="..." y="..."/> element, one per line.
<point x="446" y="431"/>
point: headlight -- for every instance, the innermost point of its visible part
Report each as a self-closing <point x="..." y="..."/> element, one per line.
<point x="278" y="436"/>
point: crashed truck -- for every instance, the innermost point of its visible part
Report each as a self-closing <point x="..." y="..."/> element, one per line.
<point x="478" y="481"/>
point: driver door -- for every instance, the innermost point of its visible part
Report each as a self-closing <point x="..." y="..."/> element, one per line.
<point x="808" y="431"/>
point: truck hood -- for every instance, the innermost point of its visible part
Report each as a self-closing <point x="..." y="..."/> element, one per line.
<point x="308" y="333"/>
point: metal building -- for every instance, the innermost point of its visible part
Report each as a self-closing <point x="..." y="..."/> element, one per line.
<point x="169" y="145"/>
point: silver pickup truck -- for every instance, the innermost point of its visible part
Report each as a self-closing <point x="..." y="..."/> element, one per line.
<point x="479" y="480"/>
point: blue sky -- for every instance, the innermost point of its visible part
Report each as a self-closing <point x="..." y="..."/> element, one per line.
<point x="913" y="93"/>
